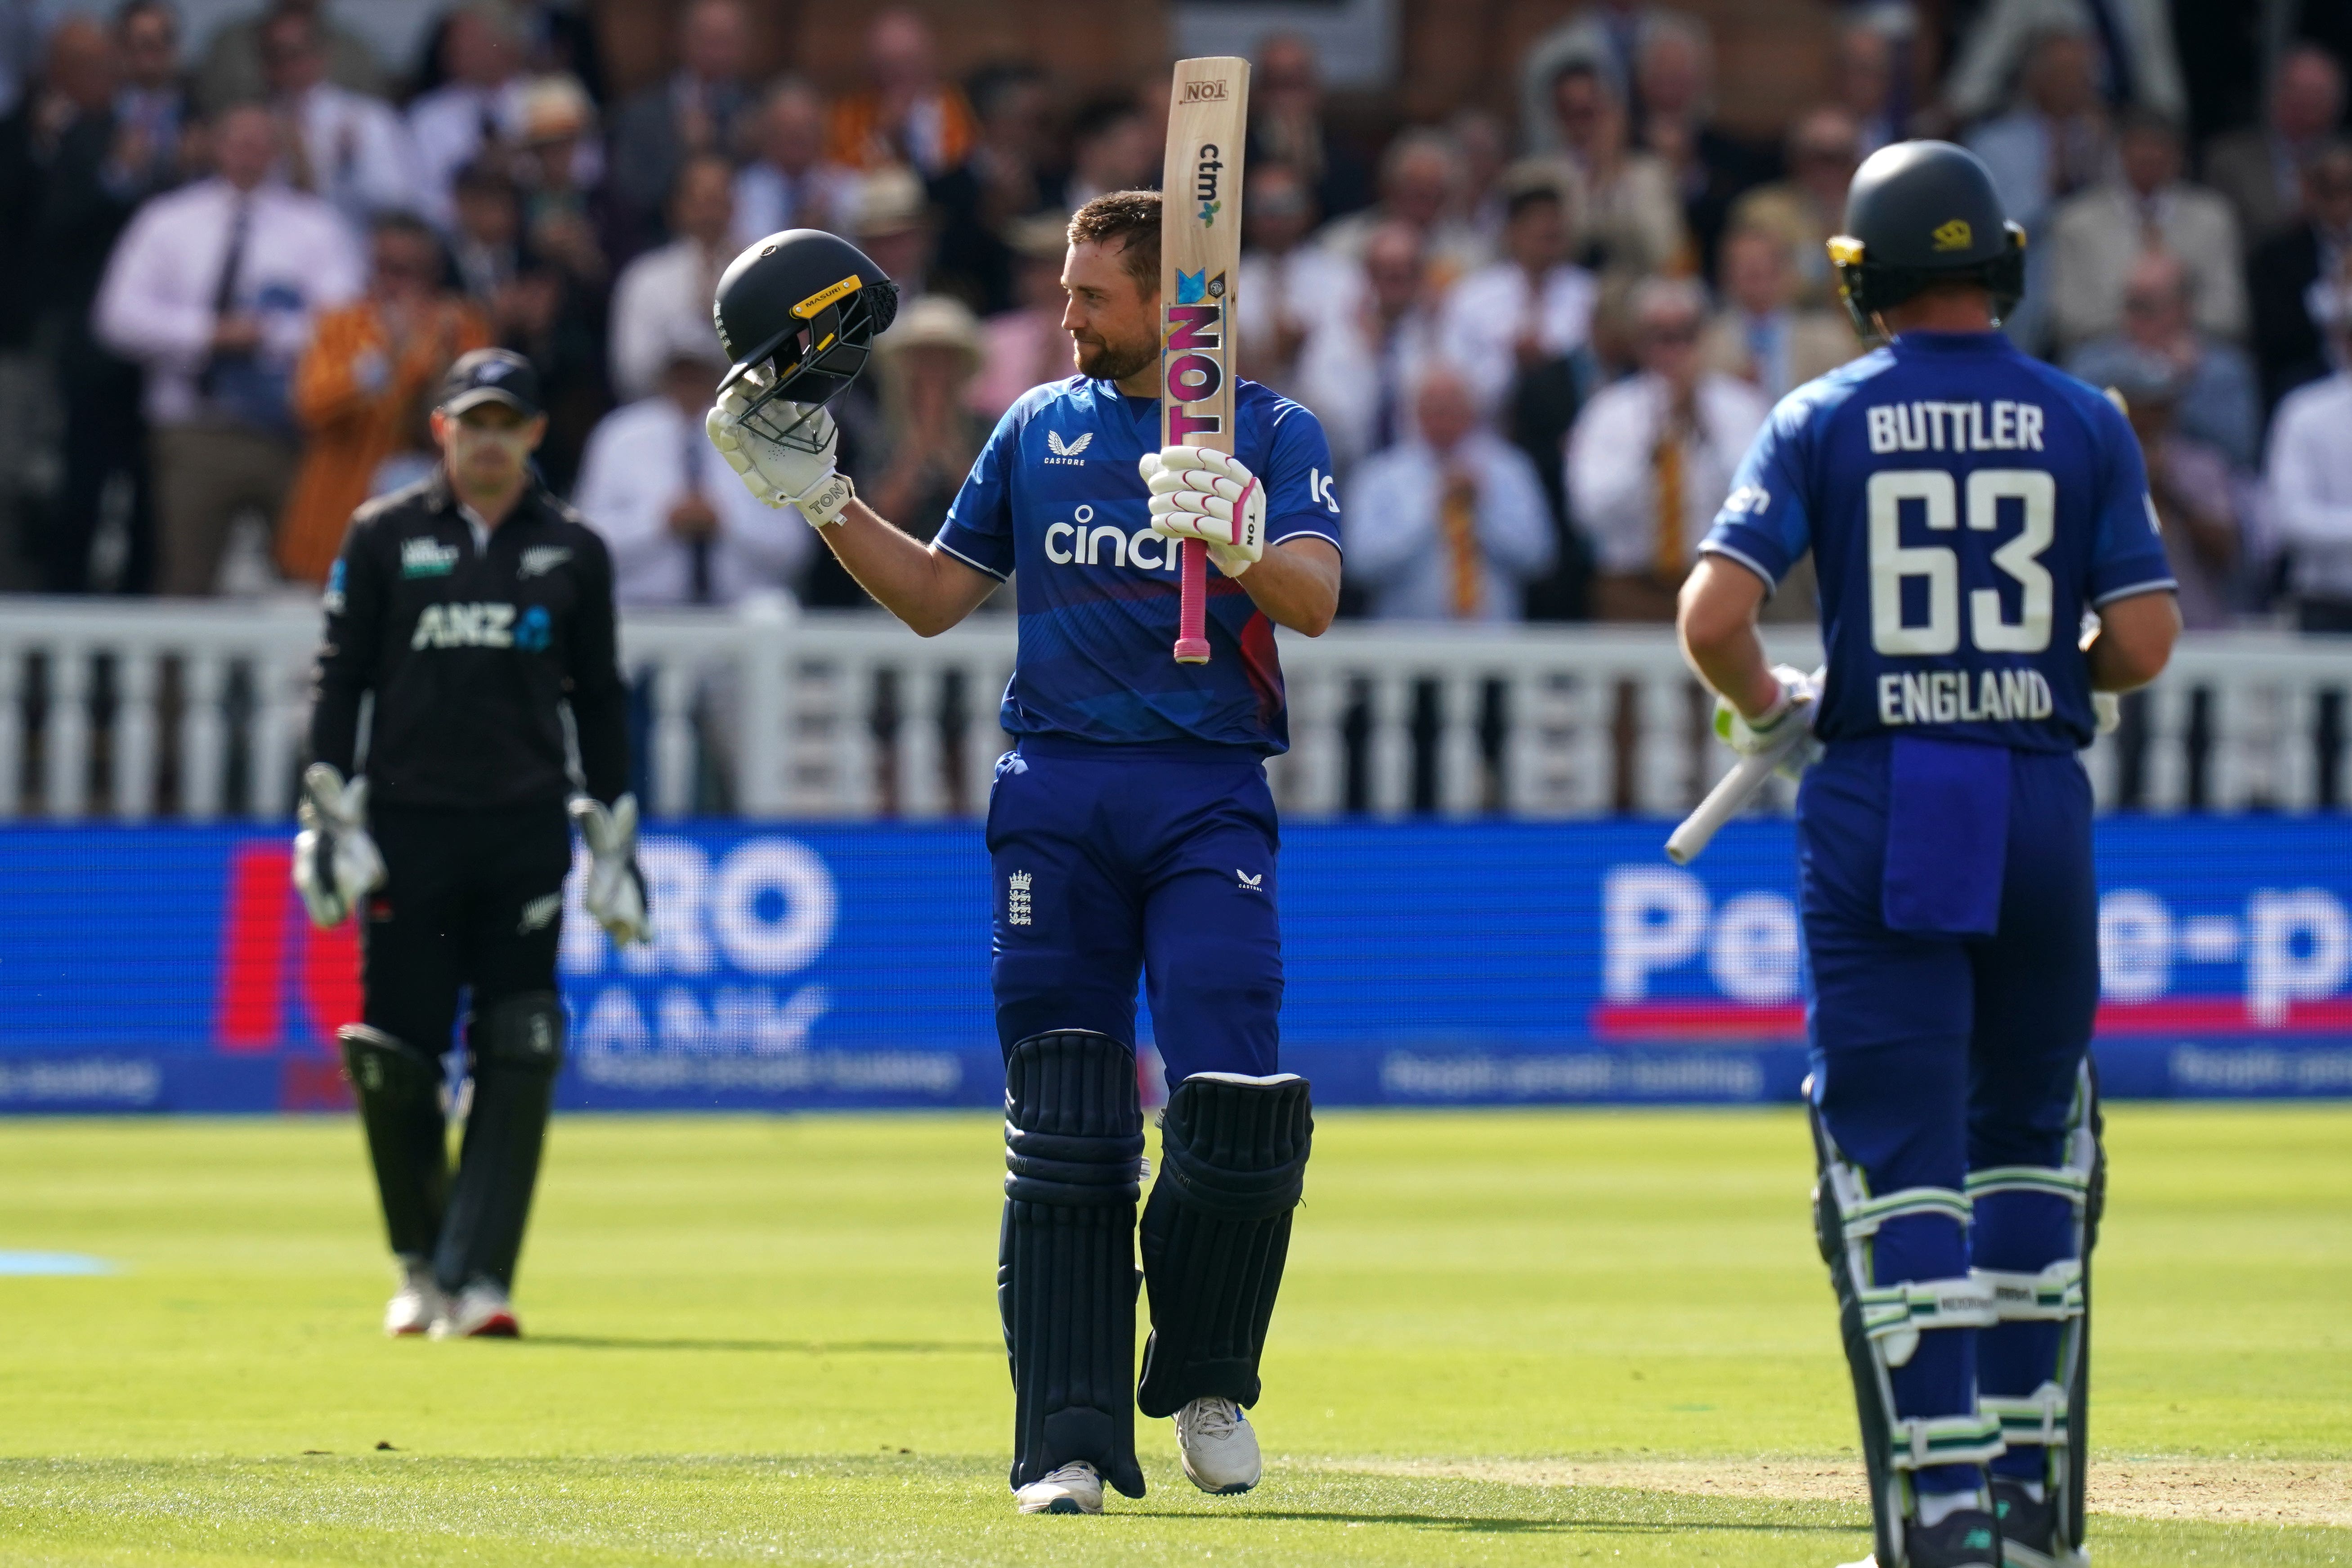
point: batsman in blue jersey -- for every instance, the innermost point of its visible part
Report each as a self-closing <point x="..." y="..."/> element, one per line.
<point x="1130" y="830"/>
<point x="1969" y="512"/>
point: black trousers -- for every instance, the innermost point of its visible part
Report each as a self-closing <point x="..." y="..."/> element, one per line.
<point x="106" y="435"/>
<point x="471" y="900"/>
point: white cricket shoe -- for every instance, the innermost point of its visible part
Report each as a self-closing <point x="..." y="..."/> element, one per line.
<point x="479" y="1312"/>
<point x="1073" y="1489"/>
<point x="415" y="1305"/>
<point x="1219" y="1447"/>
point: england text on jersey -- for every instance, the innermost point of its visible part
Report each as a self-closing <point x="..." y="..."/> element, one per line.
<point x="1965" y="506"/>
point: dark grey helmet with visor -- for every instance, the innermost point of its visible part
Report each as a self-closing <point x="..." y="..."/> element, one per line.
<point x="1919" y="213"/>
<point x="797" y="314"/>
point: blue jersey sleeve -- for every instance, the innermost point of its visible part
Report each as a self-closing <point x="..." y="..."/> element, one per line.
<point x="1763" y="524"/>
<point x="1300" y="494"/>
<point x="979" y="527"/>
<point x="2127" y="543"/>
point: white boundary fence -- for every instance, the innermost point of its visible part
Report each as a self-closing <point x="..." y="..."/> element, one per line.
<point x="132" y="710"/>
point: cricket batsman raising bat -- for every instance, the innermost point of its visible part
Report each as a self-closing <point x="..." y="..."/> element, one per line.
<point x="1130" y="832"/>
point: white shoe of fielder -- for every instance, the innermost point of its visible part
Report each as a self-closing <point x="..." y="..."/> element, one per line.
<point x="1219" y="1447"/>
<point x="415" y="1305"/>
<point x="1073" y="1489"/>
<point x="479" y="1312"/>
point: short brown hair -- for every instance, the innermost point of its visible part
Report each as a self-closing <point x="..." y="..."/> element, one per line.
<point x="1132" y="217"/>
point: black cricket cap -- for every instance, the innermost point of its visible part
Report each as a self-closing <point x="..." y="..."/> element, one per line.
<point x="492" y="376"/>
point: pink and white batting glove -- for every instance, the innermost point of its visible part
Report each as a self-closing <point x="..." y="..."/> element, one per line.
<point x="1200" y="494"/>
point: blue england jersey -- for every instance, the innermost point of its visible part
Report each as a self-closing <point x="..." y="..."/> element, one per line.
<point x="1055" y="497"/>
<point x="1965" y="505"/>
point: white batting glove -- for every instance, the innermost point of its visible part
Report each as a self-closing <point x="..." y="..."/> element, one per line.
<point x="777" y="474"/>
<point x="2107" y="708"/>
<point x="614" y="897"/>
<point x="336" y="864"/>
<point x="1200" y="494"/>
<point x="1785" y="729"/>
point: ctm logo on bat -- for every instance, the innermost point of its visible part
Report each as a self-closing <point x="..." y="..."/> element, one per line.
<point x="1205" y="169"/>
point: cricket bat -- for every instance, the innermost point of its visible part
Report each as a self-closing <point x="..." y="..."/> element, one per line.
<point x="1731" y="795"/>
<point x="1200" y="264"/>
<point x="1726" y="800"/>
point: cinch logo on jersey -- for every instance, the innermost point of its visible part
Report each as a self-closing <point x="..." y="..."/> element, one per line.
<point x="1963" y="697"/>
<point x="481" y="625"/>
<point x="426" y="558"/>
<point x="1080" y="544"/>
<point x="1955" y="428"/>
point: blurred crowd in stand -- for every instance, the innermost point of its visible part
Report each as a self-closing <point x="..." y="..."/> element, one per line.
<point x="1540" y="329"/>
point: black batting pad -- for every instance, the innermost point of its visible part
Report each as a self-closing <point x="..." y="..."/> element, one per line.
<point x="398" y="1089"/>
<point x="1065" y="1270"/>
<point x="1216" y="1232"/>
<point x="518" y="1047"/>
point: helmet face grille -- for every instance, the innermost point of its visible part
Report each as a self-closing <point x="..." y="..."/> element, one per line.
<point x="787" y="424"/>
<point x="817" y="364"/>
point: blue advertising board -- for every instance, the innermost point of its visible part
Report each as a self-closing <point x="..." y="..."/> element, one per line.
<point x="170" y="968"/>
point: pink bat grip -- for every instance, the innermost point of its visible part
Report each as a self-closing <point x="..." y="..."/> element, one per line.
<point x="1192" y="602"/>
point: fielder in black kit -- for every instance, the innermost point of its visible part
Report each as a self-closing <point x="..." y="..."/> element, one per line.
<point x="475" y="607"/>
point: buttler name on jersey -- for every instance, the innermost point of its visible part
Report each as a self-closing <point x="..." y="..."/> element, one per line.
<point x="1924" y="426"/>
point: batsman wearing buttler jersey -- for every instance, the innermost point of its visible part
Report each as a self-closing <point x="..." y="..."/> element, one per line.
<point x="1968" y="511"/>
<point x="1130" y="831"/>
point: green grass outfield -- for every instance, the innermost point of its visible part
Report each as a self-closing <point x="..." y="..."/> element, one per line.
<point x="1506" y="1337"/>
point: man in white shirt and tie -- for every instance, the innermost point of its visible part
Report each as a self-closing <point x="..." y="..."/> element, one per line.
<point x="345" y="147"/>
<point x="1532" y="307"/>
<point x="1759" y="335"/>
<point x="1357" y="363"/>
<point x="681" y="530"/>
<point x="212" y="289"/>
<point x="477" y="110"/>
<point x="663" y="289"/>
<point x="1450" y="524"/>
<point x="1652" y="457"/>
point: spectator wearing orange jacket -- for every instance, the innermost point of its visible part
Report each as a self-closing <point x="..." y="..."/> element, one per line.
<point x="361" y="390"/>
<point x="906" y="113"/>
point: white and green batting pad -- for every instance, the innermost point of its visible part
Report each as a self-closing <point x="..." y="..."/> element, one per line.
<point x="1921" y="1441"/>
<point x="2040" y="1417"/>
<point x="1895" y="1315"/>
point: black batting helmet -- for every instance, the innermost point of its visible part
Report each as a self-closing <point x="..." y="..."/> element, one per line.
<point x="805" y="305"/>
<point x="1919" y="213"/>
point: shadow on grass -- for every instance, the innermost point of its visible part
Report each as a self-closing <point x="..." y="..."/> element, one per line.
<point x="1498" y="1524"/>
<point x="772" y="1347"/>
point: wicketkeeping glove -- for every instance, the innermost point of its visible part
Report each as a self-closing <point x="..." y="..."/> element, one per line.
<point x="335" y="862"/>
<point x="780" y="473"/>
<point x="1786" y="728"/>
<point x="616" y="895"/>
<point x="1200" y="494"/>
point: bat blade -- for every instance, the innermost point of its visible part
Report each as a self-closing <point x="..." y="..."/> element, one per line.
<point x="1200" y="268"/>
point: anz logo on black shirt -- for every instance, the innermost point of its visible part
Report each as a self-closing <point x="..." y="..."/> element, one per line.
<point x="482" y="625"/>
